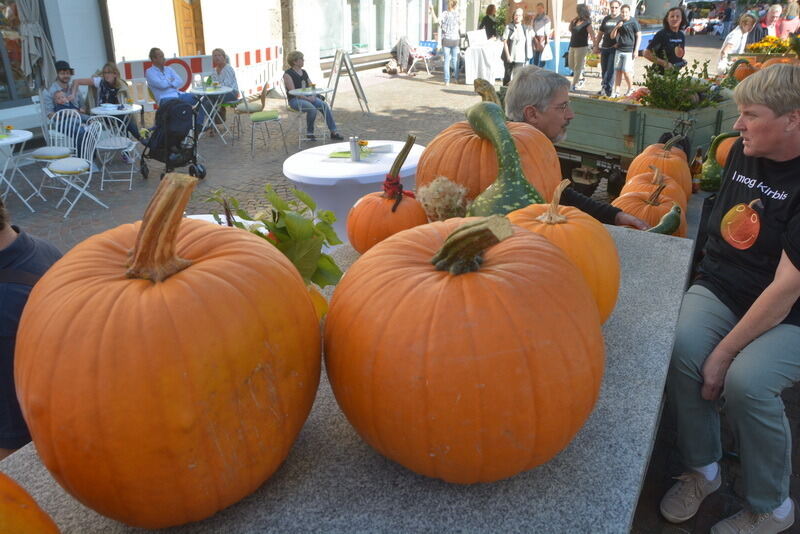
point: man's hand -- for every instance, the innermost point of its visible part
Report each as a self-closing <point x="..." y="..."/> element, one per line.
<point x="714" y="370"/>
<point x="626" y="219"/>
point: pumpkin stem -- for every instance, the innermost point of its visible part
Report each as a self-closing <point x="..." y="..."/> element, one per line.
<point x="653" y="199"/>
<point x="392" y="188"/>
<point x="462" y="251"/>
<point x="658" y="178"/>
<point x="153" y="257"/>
<point x="552" y="216"/>
<point x="669" y="144"/>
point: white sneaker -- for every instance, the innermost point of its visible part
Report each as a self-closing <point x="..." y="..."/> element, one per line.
<point x="579" y="85"/>
<point x="446" y="84"/>
<point x="615" y="95"/>
<point x="747" y="521"/>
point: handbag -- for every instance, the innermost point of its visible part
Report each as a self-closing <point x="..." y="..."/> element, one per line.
<point x="538" y="42"/>
<point x="565" y="55"/>
<point x="449" y="43"/>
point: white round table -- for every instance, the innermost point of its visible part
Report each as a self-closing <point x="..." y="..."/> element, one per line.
<point x="7" y="142"/>
<point x="308" y="91"/>
<point x="127" y="109"/>
<point x="211" y="106"/>
<point x="336" y="184"/>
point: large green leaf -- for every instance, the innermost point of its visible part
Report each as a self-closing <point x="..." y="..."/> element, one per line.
<point x="298" y="226"/>
<point x="327" y="272"/>
<point x="330" y="234"/>
<point x="326" y="216"/>
<point x="305" y="198"/>
<point x="275" y="199"/>
<point x="303" y="254"/>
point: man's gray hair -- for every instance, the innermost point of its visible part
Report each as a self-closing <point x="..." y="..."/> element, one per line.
<point x="532" y="86"/>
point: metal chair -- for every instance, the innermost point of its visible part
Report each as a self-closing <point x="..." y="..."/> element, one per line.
<point x="264" y="117"/>
<point x="71" y="170"/>
<point x="62" y="130"/>
<point x="114" y="140"/>
<point x="301" y="118"/>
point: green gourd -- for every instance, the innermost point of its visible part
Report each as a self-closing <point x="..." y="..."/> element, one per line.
<point x="669" y="223"/>
<point x="510" y="190"/>
<point x="711" y="178"/>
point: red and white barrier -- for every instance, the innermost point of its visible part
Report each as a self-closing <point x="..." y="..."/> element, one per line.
<point x="254" y="68"/>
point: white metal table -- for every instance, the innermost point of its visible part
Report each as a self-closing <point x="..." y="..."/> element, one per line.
<point x="312" y="91"/>
<point x="211" y="107"/>
<point x="336" y="184"/>
<point x="7" y="142"/>
<point x="116" y="110"/>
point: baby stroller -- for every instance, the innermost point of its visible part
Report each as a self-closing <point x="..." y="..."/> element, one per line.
<point x="170" y="142"/>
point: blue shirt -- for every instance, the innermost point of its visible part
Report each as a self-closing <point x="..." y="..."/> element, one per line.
<point x="163" y="83"/>
<point x="32" y="255"/>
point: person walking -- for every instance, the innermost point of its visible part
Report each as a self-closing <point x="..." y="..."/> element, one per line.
<point x="606" y="47"/>
<point x="451" y="38"/>
<point x="542" y="28"/>
<point x="629" y="36"/>
<point x="581" y="30"/>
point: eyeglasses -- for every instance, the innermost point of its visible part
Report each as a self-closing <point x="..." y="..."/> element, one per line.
<point x="562" y="107"/>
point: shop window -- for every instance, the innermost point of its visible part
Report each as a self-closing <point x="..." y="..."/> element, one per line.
<point x="15" y="88"/>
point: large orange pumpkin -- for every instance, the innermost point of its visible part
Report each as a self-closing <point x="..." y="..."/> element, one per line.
<point x="19" y="513"/>
<point x="161" y="389"/>
<point x="669" y="164"/>
<point x="649" y="207"/>
<point x="656" y="148"/>
<point x="376" y="216"/>
<point x="742" y="68"/>
<point x="469" y="377"/>
<point x="461" y="156"/>
<point x="649" y="181"/>
<point x="584" y="240"/>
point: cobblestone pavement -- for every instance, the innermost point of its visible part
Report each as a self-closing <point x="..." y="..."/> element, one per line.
<point x="399" y="105"/>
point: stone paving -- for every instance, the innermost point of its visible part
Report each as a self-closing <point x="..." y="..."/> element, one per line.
<point x="399" y="105"/>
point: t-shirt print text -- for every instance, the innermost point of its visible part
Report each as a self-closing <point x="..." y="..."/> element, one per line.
<point x="760" y="185"/>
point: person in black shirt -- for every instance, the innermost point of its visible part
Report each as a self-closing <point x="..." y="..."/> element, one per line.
<point x="489" y="22"/>
<point x="581" y="29"/>
<point x="295" y="77"/>
<point x="738" y="332"/>
<point x="667" y="46"/>
<point x="540" y="98"/>
<point x="629" y="37"/>
<point x="606" y="47"/>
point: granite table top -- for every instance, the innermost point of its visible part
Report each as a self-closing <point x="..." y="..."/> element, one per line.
<point x="334" y="482"/>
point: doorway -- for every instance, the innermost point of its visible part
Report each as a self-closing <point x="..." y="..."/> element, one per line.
<point x="189" y="26"/>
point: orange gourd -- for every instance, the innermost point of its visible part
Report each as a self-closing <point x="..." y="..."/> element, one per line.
<point x="742" y="68"/>
<point x="478" y="361"/>
<point x="779" y="60"/>
<point x="669" y="164"/>
<point x="584" y="240"/>
<point x="461" y="156"/>
<point x="649" y="207"/>
<point x="649" y="181"/>
<point x="164" y="385"/>
<point x="724" y="149"/>
<point x="376" y="216"/>
<point x="656" y="148"/>
<point x="19" y="513"/>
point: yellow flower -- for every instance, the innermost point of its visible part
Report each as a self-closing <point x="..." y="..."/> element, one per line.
<point x="9" y="127"/>
<point x="362" y="142"/>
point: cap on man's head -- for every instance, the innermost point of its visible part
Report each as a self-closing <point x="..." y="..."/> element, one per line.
<point x="63" y="65"/>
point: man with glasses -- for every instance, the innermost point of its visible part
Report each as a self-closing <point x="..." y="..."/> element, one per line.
<point x="540" y="98"/>
<point x="63" y="83"/>
<point x="607" y="47"/>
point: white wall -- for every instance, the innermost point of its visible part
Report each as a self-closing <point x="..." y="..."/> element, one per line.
<point x="240" y="24"/>
<point x="77" y="34"/>
<point x="138" y="26"/>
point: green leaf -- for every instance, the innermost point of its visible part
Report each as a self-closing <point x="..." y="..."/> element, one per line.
<point x="305" y="198"/>
<point x="242" y="214"/>
<point x="327" y="272"/>
<point x="275" y="199"/>
<point x="298" y="226"/>
<point x="326" y="216"/>
<point x="330" y="234"/>
<point x="303" y="254"/>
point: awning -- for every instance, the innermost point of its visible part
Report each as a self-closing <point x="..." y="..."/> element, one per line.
<point x="35" y="46"/>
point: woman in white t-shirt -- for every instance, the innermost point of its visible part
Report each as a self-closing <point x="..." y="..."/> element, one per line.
<point x="735" y="41"/>
<point x="451" y="36"/>
<point x="516" y="45"/>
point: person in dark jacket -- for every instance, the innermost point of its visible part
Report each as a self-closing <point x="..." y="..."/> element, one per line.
<point x="540" y="98"/>
<point x="489" y="22"/>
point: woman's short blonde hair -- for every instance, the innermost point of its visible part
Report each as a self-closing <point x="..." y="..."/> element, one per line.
<point x="747" y="16"/>
<point x="111" y="66"/>
<point x="452" y="4"/>
<point x="292" y="57"/>
<point x="776" y="87"/>
<point x="224" y="55"/>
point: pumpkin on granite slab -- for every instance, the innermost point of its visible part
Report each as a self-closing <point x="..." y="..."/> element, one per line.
<point x="584" y="240"/>
<point x="650" y="207"/>
<point x="481" y="359"/>
<point x="165" y="368"/>
<point x="19" y="513"/>
<point x="664" y="159"/>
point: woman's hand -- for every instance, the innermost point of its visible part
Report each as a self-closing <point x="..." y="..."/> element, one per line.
<point x="626" y="219"/>
<point x="714" y="370"/>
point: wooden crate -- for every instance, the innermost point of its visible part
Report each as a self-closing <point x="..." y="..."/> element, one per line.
<point x="614" y="129"/>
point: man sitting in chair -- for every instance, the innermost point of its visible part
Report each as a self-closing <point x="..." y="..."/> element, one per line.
<point x="165" y="82"/>
<point x="297" y="78"/>
<point x="63" y="83"/>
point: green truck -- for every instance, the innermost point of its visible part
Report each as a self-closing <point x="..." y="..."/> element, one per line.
<point x="604" y="136"/>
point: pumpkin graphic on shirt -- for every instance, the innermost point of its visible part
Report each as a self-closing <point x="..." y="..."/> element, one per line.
<point x="741" y="225"/>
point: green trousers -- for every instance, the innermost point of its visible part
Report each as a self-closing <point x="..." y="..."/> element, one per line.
<point x="751" y="399"/>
